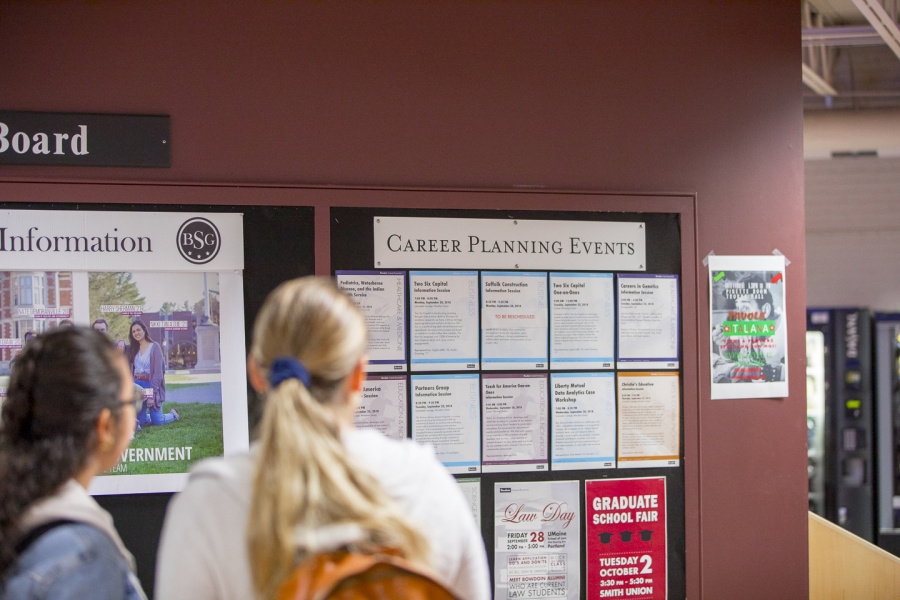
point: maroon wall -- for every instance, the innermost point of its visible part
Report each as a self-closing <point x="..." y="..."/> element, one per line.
<point x="628" y="96"/>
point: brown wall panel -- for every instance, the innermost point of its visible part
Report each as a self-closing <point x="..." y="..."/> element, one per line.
<point x="637" y="96"/>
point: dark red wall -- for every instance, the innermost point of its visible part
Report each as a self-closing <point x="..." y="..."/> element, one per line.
<point x="628" y="96"/>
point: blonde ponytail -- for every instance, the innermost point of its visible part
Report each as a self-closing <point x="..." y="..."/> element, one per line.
<point x="304" y="479"/>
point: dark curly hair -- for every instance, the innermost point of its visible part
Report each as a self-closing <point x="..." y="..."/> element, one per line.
<point x="134" y="346"/>
<point x="59" y="385"/>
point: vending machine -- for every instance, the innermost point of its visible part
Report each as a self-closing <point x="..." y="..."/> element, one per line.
<point x="887" y="418"/>
<point x="842" y="468"/>
<point x="815" y="418"/>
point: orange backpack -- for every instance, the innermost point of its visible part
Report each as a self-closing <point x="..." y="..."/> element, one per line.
<point x="349" y="575"/>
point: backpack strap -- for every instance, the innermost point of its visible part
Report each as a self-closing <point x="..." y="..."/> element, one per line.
<point x="321" y="574"/>
<point x="32" y="536"/>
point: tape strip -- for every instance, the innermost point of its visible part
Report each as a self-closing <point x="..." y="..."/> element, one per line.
<point x="777" y="252"/>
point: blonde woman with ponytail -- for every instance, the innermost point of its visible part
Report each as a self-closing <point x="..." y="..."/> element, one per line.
<point x="312" y="482"/>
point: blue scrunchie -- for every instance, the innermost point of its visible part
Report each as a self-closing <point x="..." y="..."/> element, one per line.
<point x="287" y="367"/>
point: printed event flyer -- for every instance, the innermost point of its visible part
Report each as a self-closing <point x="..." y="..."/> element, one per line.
<point x="514" y="320"/>
<point x="443" y="309"/>
<point x="167" y="290"/>
<point x="381" y="296"/>
<point x="582" y="325"/>
<point x="648" y="321"/>
<point x="649" y="427"/>
<point x="626" y="538"/>
<point x="471" y="488"/>
<point x="382" y="406"/>
<point x="748" y="341"/>
<point x="515" y="422"/>
<point x="537" y="540"/>
<point x="584" y="421"/>
<point x="445" y="415"/>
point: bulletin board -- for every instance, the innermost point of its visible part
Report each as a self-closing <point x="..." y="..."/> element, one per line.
<point x="278" y="244"/>
<point x="294" y="231"/>
<point x="514" y="341"/>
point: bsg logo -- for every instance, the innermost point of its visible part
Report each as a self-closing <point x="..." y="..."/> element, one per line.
<point x="198" y="240"/>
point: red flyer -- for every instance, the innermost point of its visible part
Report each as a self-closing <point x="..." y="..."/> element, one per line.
<point x="626" y="538"/>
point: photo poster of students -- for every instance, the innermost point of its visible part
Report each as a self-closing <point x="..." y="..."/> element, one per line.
<point x="167" y="290"/>
<point x="748" y="337"/>
<point x="626" y="538"/>
<point x="537" y="540"/>
<point x="167" y="326"/>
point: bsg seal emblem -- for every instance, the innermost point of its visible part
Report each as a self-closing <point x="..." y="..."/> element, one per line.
<point x="198" y="240"/>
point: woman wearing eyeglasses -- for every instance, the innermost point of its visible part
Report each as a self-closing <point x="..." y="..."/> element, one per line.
<point x="68" y="417"/>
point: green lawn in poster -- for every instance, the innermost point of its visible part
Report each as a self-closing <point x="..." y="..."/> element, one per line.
<point x="199" y="428"/>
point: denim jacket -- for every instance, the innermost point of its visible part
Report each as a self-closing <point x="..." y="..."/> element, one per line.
<point x="75" y="561"/>
<point x="82" y="560"/>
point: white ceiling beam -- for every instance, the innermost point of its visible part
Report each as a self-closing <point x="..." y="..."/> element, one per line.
<point x="816" y="83"/>
<point x="886" y="27"/>
<point x="841" y="36"/>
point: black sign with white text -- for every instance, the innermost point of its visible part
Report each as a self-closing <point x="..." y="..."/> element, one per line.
<point x="84" y="140"/>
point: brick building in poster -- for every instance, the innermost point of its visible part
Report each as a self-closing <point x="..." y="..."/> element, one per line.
<point x="31" y="301"/>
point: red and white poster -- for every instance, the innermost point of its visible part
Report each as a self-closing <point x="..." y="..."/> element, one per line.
<point x="626" y="538"/>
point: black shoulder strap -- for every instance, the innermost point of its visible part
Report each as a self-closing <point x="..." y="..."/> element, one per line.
<point x="32" y="536"/>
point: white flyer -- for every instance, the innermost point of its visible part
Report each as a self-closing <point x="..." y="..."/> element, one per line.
<point x="471" y="488"/>
<point x="381" y="296"/>
<point x="649" y="423"/>
<point x="445" y="415"/>
<point x="748" y="319"/>
<point x="582" y="321"/>
<point x="382" y="405"/>
<point x="514" y="321"/>
<point x="648" y="321"/>
<point x="583" y="421"/>
<point x="443" y="308"/>
<point x="537" y="540"/>
<point x="515" y="422"/>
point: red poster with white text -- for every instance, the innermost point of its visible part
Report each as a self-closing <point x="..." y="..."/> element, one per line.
<point x="626" y="538"/>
